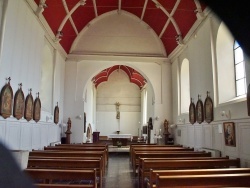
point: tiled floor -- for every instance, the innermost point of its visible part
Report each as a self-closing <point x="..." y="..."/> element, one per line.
<point x="119" y="172"/>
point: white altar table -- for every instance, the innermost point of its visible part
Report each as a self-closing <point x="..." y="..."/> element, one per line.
<point x="129" y="136"/>
<point x="120" y="139"/>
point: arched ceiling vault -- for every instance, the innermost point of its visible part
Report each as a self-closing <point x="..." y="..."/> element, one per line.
<point x="171" y="20"/>
<point x="134" y="76"/>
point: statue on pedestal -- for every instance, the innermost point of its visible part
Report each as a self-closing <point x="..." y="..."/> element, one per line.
<point x="166" y="127"/>
<point x="69" y="126"/>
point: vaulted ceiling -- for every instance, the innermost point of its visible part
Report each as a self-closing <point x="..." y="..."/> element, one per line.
<point x="134" y="76"/>
<point x="170" y="19"/>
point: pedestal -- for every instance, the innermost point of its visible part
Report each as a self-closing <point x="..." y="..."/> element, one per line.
<point x="68" y="133"/>
<point x="96" y="136"/>
<point x="166" y="138"/>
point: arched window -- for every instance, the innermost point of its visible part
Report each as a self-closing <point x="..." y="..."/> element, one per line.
<point x="185" y="86"/>
<point x="240" y="73"/>
<point x="230" y="67"/>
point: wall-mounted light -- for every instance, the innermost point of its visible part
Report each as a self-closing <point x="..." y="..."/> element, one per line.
<point x="48" y="118"/>
<point x="173" y="126"/>
<point x="226" y="114"/>
<point x="79" y="117"/>
<point x="181" y="120"/>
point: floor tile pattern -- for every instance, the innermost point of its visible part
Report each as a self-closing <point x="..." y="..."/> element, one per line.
<point x="119" y="173"/>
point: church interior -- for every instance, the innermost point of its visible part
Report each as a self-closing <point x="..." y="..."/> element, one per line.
<point x="111" y="75"/>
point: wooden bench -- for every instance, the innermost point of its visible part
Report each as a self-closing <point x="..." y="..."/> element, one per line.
<point x="55" y="176"/>
<point x="165" y="154"/>
<point x="153" y="173"/>
<point x="211" y="180"/>
<point x="179" y="158"/>
<point x="50" y="153"/>
<point x="67" y="164"/>
<point x="144" y="147"/>
<point x="62" y="186"/>
<point x="148" y="164"/>
<point x="72" y="158"/>
<point x="78" y="148"/>
<point x="158" y="149"/>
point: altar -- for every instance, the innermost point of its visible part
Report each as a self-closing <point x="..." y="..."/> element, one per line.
<point x="120" y="139"/>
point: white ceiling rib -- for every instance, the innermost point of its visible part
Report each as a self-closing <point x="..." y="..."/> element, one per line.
<point x="70" y="18"/>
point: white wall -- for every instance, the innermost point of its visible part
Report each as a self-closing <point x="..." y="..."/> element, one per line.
<point x="201" y="53"/>
<point x="118" y="88"/>
<point x="21" y="59"/>
<point x="78" y="74"/>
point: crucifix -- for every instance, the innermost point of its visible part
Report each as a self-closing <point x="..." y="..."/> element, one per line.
<point x="117" y="104"/>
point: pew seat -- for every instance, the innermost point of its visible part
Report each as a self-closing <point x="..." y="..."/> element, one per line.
<point x="57" y="176"/>
<point x="153" y="173"/>
<point x="201" y="181"/>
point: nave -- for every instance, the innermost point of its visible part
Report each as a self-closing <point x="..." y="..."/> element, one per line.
<point x="119" y="172"/>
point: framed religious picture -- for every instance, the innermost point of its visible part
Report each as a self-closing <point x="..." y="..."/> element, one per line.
<point x="248" y="100"/>
<point x="28" y="112"/>
<point x="6" y="100"/>
<point x="208" y="109"/>
<point x="199" y="110"/>
<point x="229" y="134"/>
<point x="192" y="114"/>
<point x="56" y="114"/>
<point x="18" y="103"/>
<point x="37" y="109"/>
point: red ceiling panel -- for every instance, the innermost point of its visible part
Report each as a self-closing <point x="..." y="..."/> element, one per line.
<point x="184" y="16"/>
<point x="135" y="11"/>
<point x="169" y="44"/>
<point x="184" y="22"/>
<point x="67" y="42"/>
<point x="83" y="16"/>
<point x="134" y="76"/>
<point x="133" y="3"/>
<point x="156" y="19"/>
<point x="168" y="5"/>
<point x="170" y="31"/>
<point x="54" y="14"/>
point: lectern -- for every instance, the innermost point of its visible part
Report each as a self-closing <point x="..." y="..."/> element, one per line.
<point x="96" y="136"/>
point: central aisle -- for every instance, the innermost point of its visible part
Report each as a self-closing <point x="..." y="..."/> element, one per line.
<point x="119" y="173"/>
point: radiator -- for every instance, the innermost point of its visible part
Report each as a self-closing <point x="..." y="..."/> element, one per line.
<point x="214" y="152"/>
<point x="54" y="143"/>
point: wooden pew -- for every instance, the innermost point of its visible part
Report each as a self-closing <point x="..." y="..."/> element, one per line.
<point x="132" y="146"/>
<point x="148" y="164"/>
<point x="67" y="164"/>
<point x="164" y="154"/>
<point x="72" y="158"/>
<point x="78" y="148"/>
<point x="50" y="153"/>
<point x="178" y="158"/>
<point x="155" y="148"/>
<point x="158" y="149"/>
<point x="153" y="173"/>
<point x="54" y="176"/>
<point x="62" y="186"/>
<point x="200" y="181"/>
